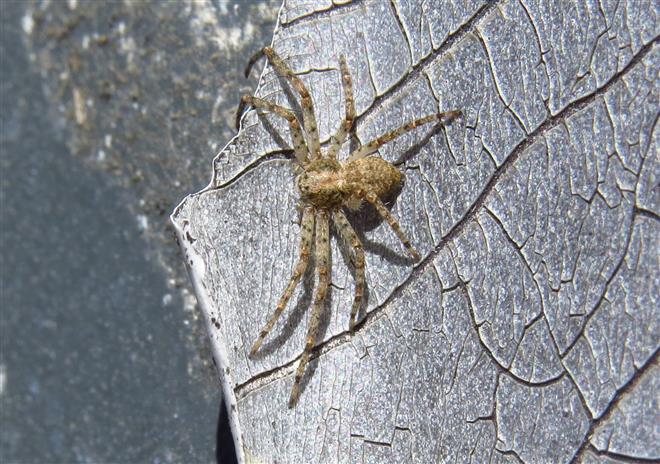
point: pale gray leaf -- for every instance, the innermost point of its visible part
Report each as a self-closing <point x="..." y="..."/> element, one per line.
<point x="529" y="331"/>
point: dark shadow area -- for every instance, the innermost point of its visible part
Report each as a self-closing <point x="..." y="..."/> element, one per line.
<point x="313" y="363"/>
<point x="367" y="219"/>
<point x="387" y="253"/>
<point x="347" y="260"/>
<point x="272" y="130"/>
<point x="282" y="331"/>
<point x="225" y="449"/>
<point x="411" y="152"/>
<point x="294" y="317"/>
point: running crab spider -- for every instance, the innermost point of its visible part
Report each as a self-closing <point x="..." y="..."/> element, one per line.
<point x="326" y="186"/>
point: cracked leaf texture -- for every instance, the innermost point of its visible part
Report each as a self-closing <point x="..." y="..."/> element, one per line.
<point x="529" y="331"/>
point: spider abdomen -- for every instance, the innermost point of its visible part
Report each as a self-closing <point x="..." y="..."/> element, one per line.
<point x="373" y="174"/>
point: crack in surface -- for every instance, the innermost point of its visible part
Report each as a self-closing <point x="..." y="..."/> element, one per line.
<point x="331" y="11"/>
<point x="612" y="407"/>
<point x="282" y="370"/>
<point x="618" y="456"/>
<point x="470" y="26"/>
<point x="606" y="287"/>
<point x="381" y="100"/>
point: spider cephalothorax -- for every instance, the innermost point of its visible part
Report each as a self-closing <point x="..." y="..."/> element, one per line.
<point x="323" y="184"/>
<point x="326" y="187"/>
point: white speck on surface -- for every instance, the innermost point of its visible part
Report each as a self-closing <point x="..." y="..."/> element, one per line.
<point x="228" y="38"/>
<point x="143" y="222"/>
<point x="204" y="21"/>
<point x="79" y="107"/>
<point x="212" y="144"/>
<point x="189" y="300"/>
<point x="27" y="22"/>
<point x="72" y="4"/>
<point x="167" y="299"/>
<point x="248" y="30"/>
<point x="3" y="378"/>
<point x="108" y="140"/>
<point x="100" y="156"/>
<point x="85" y="42"/>
<point x="215" y="112"/>
<point x="127" y="46"/>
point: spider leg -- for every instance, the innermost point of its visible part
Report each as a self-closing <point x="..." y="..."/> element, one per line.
<point x="347" y="124"/>
<point x="323" y="271"/>
<point x="307" y="226"/>
<point x="252" y="61"/>
<point x="391" y="220"/>
<point x="351" y="239"/>
<point x="309" y="119"/>
<point x="375" y="144"/>
<point x="297" y="136"/>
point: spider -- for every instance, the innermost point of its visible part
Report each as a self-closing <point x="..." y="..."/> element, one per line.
<point x="326" y="186"/>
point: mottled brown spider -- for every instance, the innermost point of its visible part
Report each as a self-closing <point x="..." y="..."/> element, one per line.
<point x="327" y="186"/>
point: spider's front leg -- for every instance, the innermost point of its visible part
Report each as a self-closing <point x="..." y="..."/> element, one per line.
<point x="323" y="272"/>
<point x="309" y="118"/>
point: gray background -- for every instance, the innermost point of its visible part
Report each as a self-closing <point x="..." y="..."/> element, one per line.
<point x="103" y="356"/>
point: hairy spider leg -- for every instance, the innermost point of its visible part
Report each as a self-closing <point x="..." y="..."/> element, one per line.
<point x="299" y="147"/>
<point x="375" y="144"/>
<point x="252" y="61"/>
<point x="323" y="272"/>
<point x="307" y="233"/>
<point x="347" y="124"/>
<point x="391" y="220"/>
<point x="306" y="104"/>
<point x="351" y="239"/>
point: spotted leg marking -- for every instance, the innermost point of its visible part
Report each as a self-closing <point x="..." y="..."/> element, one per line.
<point x="323" y="272"/>
<point x="375" y="144"/>
<point x="307" y="226"/>
<point x="309" y="119"/>
<point x="347" y="124"/>
<point x="351" y="239"/>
